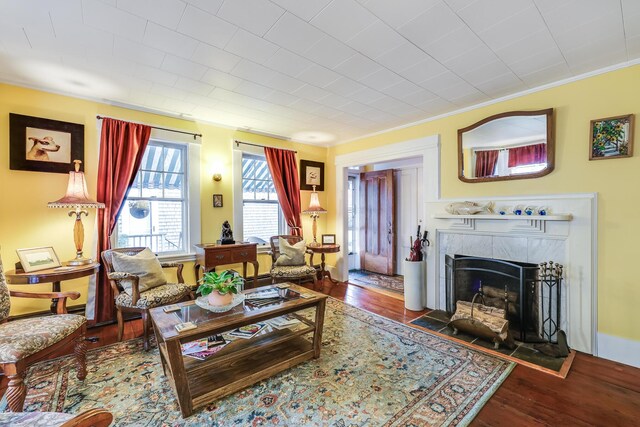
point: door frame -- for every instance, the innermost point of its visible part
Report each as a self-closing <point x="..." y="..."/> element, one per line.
<point x="427" y="147"/>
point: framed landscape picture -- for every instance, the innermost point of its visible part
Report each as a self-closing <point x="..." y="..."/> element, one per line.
<point x="311" y="173"/>
<point x="35" y="259"/>
<point x="611" y="138"/>
<point x="44" y="145"/>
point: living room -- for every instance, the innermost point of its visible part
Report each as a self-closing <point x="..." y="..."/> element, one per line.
<point x="342" y="84"/>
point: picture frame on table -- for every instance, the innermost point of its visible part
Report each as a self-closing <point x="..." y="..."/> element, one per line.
<point x="311" y="173"/>
<point x="611" y="137"/>
<point x="44" y="145"/>
<point x="217" y="201"/>
<point x="328" y="239"/>
<point x="36" y="259"/>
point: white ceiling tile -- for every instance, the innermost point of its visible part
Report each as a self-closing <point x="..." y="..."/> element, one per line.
<point x="288" y="63"/>
<point x="423" y="70"/>
<point x="280" y="98"/>
<point x="222" y="80"/>
<point x="470" y="99"/>
<point x="520" y="49"/>
<point x="547" y="75"/>
<point x="169" y="92"/>
<point x="633" y="47"/>
<point x="293" y="33"/>
<point x="318" y="75"/>
<point x="250" y="46"/>
<point x="284" y="83"/>
<point x="632" y="24"/>
<point x="137" y="52"/>
<point x="329" y="52"/>
<point x="381" y="79"/>
<point x="431" y="25"/>
<point x="214" y="57"/>
<point x="502" y="85"/>
<point x="333" y="100"/>
<point x="164" y="12"/>
<point x="518" y="26"/>
<point x="457" y="5"/>
<point x="402" y="57"/>
<point x="253" y="90"/>
<point x="256" y="16"/>
<point x="155" y="75"/>
<point x="437" y="105"/>
<point x="399" y="12"/>
<point x="306" y="105"/>
<point x="205" y="101"/>
<point x="251" y="71"/>
<point x="358" y="67"/>
<point x="481" y="15"/>
<point x="419" y="97"/>
<point x="343" y="19"/>
<point x="178" y="106"/>
<point x="401" y="89"/>
<point x="484" y="72"/>
<point x="456" y="91"/>
<point x="366" y="95"/>
<point x="211" y="6"/>
<point x="29" y="13"/>
<point x="440" y="81"/>
<point x="453" y="45"/>
<point x="195" y="86"/>
<point x="311" y="93"/>
<point x="354" y="108"/>
<point x="169" y="41"/>
<point x="100" y="15"/>
<point x="473" y="59"/>
<point x="376" y="39"/>
<point x="537" y="62"/>
<point x="305" y="9"/>
<point x="205" y="27"/>
<point x="183" y="67"/>
<point x="344" y="86"/>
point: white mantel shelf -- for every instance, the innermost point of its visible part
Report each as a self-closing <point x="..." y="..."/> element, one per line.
<point x="554" y="217"/>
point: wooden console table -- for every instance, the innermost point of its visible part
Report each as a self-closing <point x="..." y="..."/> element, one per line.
<point x="209" y="256"/>
<point x="52" y="275"/>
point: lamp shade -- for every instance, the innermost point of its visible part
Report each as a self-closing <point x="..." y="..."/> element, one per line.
<point x="77" y="195"/>
<point x="314" y="205"/>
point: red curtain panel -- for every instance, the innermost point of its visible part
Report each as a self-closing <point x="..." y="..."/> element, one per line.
<point x="528" y="155"/>
<point x="122" y="146"/>
<point x="284" y="171"/>
<point x="486" y="163"/>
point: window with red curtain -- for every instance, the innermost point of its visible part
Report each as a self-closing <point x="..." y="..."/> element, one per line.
<point x="528" y="155"/>
<point x="486" y="163"/>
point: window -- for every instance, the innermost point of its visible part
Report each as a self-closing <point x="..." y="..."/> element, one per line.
<point x="155" y="212"/>
<point x="261" y="214"/>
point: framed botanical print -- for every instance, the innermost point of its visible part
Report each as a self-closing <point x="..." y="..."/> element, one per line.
<point x="311" y="173"/>
<point x="611" y="138"/>
<point x="44" y="145"/>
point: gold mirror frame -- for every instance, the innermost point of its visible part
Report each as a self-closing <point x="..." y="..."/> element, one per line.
<point x="551" y="146"/>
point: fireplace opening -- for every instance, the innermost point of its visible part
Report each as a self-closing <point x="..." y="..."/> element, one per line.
<point x="508" y="285"/>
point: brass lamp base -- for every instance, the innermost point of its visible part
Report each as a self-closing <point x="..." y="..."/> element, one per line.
<point x="80" y="261"/>
<point x="314" y="244"/>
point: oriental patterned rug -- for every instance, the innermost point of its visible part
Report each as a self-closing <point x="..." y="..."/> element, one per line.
<point x="372" y="372"/>
<point x="389" y="285"/>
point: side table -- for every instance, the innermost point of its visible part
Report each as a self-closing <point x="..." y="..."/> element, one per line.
<point x="53" y="276"/>
<point x="322" y="250"/>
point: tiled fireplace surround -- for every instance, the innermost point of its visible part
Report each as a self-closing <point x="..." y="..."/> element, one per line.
<point x="569" y="242"/>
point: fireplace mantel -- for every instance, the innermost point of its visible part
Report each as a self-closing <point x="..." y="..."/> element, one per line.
<point x="554" y="217"/>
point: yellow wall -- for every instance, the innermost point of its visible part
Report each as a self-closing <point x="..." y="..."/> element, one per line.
<point x="25" y="220"/>
<point x="615" y="181"/>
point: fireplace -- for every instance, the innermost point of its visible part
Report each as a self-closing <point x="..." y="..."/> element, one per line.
<point x="510" y="285"/>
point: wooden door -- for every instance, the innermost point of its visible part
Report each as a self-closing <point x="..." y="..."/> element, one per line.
<point x="377" y="219"/>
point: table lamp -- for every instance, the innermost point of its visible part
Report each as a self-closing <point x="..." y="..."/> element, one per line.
<point x="315" y="210"/>
<point x="77" y="198"/>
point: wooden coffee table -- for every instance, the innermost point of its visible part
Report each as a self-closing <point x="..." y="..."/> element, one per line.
<point x="244" y="361"/>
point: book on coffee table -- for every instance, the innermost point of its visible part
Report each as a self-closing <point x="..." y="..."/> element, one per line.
<point x="248" y="331"/>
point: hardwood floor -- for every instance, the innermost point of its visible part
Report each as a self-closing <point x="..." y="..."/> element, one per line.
<point x="596" y="392"/>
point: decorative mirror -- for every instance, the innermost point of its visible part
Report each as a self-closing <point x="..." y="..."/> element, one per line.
<point x="512" y="145"/>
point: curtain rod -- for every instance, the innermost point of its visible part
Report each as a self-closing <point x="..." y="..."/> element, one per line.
<point x="261" y="146"/>
<point x="169" y="130"/>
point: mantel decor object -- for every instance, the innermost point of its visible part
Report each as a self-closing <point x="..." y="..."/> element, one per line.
<point x="314" y="210"/>
<point x="77" y="199"/>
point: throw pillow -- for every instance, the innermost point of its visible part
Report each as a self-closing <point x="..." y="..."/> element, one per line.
<point x="144" y="264"/>
<point x="291" y="254"/>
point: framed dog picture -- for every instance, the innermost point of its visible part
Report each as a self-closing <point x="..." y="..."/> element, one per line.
<point x="44" y="145"/>
<point x="35" y="259"/>
<point x="611" y="138"/>
<point x="311" y="173"/>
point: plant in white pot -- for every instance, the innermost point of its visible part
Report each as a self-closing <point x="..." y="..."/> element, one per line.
<point x="219" y="288"/>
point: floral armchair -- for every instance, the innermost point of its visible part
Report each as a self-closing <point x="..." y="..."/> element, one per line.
<point x="24" y="342"/>
<point x="290" y="271"/>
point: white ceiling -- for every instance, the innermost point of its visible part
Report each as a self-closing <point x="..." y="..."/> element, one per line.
<point x="342" y="67"/>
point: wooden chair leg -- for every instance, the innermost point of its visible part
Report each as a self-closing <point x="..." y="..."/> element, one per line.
<point x="80" y="351"/>
<point x="16" y="391"/>
<point x="120" y="325"/>
<point x="145" y="329"/>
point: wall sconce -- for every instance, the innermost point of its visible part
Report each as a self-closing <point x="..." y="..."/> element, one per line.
<point x="217" y="177"/>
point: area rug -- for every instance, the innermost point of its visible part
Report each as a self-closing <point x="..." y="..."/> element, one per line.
<point x="388" y="285"/>
<point x="372" y="372"/>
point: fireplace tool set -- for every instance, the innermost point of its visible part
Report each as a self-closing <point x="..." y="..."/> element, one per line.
<point x="550" y="279"/>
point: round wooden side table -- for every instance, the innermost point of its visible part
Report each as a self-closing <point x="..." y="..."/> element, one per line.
<point x="53" y="276"/>
<point x="322" y="250"/>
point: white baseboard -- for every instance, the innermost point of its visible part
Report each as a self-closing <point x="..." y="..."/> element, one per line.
<point x="619" y="349"/>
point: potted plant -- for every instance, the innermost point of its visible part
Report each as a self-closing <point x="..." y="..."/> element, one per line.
<point x="219" y="288"/>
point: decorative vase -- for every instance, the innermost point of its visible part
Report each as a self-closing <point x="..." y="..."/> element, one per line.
<point x="218" y="300"/>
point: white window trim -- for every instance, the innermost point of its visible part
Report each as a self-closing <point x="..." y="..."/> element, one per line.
<point x="237" y="191"/>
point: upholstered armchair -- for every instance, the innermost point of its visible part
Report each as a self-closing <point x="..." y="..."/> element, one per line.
<point x="135" y="291"/>
<point x="292" y="266"/>
<point x="24" y="342"/>
<point x="90" y="418"/>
